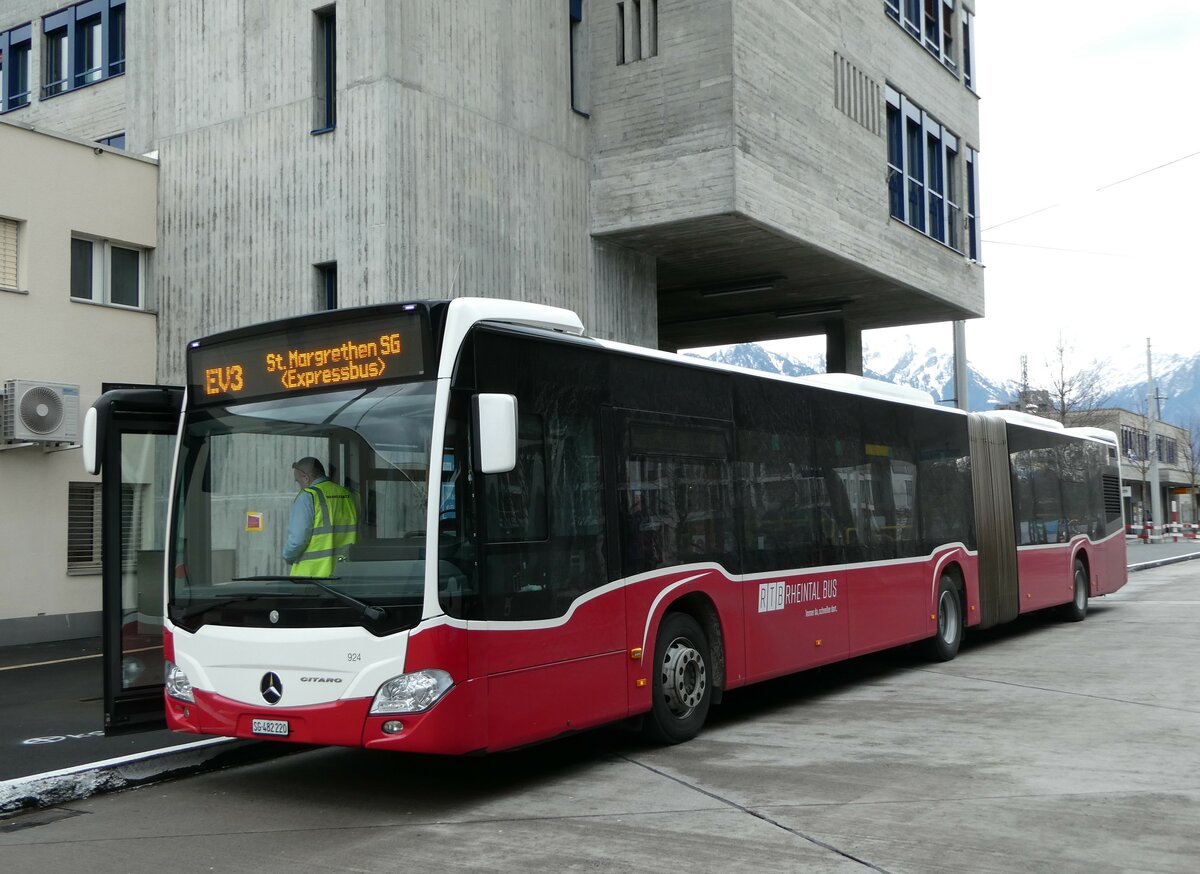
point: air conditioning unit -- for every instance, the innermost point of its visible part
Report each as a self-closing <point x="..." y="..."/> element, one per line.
<point x="39" y="412"/>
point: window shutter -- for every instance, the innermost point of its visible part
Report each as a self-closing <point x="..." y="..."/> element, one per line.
<point x="8" y="253"/>
<point x="83" y="528"/>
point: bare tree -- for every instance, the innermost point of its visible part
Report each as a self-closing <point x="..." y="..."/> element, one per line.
<point x="1076" y="393"/>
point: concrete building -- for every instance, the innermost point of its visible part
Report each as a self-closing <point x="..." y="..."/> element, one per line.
<point x="75" y="316"/>
<point x="679" y="172"/>
<point x="1178" y="469"/>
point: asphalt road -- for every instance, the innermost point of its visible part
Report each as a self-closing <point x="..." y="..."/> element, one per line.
<point x="1042" y="747"/>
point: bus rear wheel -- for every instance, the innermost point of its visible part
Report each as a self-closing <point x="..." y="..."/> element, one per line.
<point x="1076" y="609"/>
<point x="682" y="686"/>
<point x="944" y="644"/>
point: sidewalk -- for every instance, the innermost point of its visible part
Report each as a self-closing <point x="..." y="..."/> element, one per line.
<point x="1142" y="556"/>
<point x="52" y="743"/>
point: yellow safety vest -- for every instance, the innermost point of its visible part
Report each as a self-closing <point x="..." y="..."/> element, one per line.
<point x="335" y="527"/>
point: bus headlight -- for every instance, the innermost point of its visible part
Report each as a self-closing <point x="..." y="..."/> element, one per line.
<point x="412" y="693"/>
<point x="178" y="685"/>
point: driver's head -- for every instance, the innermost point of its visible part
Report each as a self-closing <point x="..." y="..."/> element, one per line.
<point x="306" y="470"/>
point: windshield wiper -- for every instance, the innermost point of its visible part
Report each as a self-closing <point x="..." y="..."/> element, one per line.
<point x="216" y="605"/>
<point x="366" y="610"/>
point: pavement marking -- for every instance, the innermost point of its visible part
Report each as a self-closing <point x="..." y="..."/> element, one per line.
<point x="73" y="659"/>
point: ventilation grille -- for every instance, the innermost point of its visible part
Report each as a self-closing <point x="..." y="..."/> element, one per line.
<point x="1112" y="497"/>
<point x="857" y="94"/>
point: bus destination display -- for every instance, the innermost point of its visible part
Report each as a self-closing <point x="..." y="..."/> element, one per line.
<point x="318" y="357"/>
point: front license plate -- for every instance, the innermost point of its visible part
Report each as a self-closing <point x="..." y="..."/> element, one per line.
<point x="276" y="727"/>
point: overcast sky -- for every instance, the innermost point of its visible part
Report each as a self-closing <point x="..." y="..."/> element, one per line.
<point x="1090" y="178"/>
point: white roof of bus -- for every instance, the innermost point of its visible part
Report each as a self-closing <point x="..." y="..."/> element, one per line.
<point x="843" y="382"/>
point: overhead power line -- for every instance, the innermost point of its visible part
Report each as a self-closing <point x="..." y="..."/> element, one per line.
<point x="1101" y="188"/>
<point x="1055" y="248"/>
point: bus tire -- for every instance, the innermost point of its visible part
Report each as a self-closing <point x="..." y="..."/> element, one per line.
<point x="1076" y="609"/>
<point x="944" y="644"/>
<point x="682" y="684"/>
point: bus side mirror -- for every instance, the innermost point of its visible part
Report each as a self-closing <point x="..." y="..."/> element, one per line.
<point x="495" y="433"/>
<point x="91" y="441"/>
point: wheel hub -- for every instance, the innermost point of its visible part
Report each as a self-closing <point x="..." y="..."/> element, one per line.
<point x="684" y="677"/>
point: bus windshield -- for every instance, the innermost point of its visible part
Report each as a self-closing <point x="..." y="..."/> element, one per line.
<point x="234" y="511"/>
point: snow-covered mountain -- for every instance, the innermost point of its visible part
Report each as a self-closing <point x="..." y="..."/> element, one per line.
<point x="1178" y="382"/>
<point x="902" y="363"/>
<point x="930" y="371"/>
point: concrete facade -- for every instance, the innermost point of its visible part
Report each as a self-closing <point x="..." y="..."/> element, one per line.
<point x="754" y="145"/>
<point x="51" y="337"/>
<point x="456" y="167"/>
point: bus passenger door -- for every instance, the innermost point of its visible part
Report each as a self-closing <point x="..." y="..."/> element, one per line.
<point x="129" y="438"/>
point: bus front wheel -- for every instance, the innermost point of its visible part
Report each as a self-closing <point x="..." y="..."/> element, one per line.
<point x="1076" y="609"/>
<point x="682" y="685"/>
<point x="944" y="644"/>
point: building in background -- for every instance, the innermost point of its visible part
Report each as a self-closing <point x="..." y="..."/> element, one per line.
<point x="678" y="172"/>
<point x="76" y="315"/>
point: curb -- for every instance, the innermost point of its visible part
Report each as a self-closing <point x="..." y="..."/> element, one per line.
<point x="1147" y="565"/>
<point x="82" y="781"/>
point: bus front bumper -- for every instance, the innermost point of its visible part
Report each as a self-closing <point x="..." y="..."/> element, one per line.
<point x="453" y="726"/>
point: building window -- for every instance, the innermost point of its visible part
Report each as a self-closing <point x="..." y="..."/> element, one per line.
<point x="912" y="17"/>
<point x="84" y="43"/>
<point x="55" y="78"/>
<point x="895" y="136"/>
<point x="1167" y="448"/>
<point x="8" y="254"/>
<point x="935" y="173"/>
<point x="923" y="173"/>
<point x="14" y="67"/>
<point x="324" y="70"/>
<point x="953" y="195"/>
<point x="973" y="240"/>
<point x="107" y="273"/>
<point x="914" y="172"/>
<point x="327" y="286"/>
<point x="117" y="141"/>
<point x="580" y="101"/>
<point x="83" y="528"/>
<point x="968" y="49"/>
<point x="637" y="30"/>
<point x="930" y="23"/>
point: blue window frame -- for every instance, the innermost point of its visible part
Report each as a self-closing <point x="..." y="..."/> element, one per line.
<point x="935" y="178"/>
<point x="84" y="43"/>
<point x="117" y="141"/>
<point x="895" y="135"/>
<point x="973" y="205"/>
<point x="14" y="67"/>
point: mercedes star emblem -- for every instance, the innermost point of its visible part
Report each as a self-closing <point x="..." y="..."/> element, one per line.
<point x="271" y="688"/>
<point x="273" y="616"/>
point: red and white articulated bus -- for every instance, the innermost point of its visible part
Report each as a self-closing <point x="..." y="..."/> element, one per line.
<point x="554" y="532"/>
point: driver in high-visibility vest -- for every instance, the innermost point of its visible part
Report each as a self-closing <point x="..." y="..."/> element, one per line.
<point x="323" y="522"/>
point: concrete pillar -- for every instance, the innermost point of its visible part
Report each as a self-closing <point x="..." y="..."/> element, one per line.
<point x="960" y="365"/>
<point x="843" y="347"/>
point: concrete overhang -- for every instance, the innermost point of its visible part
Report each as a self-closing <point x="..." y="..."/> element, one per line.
<point x="729" y="279"/>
